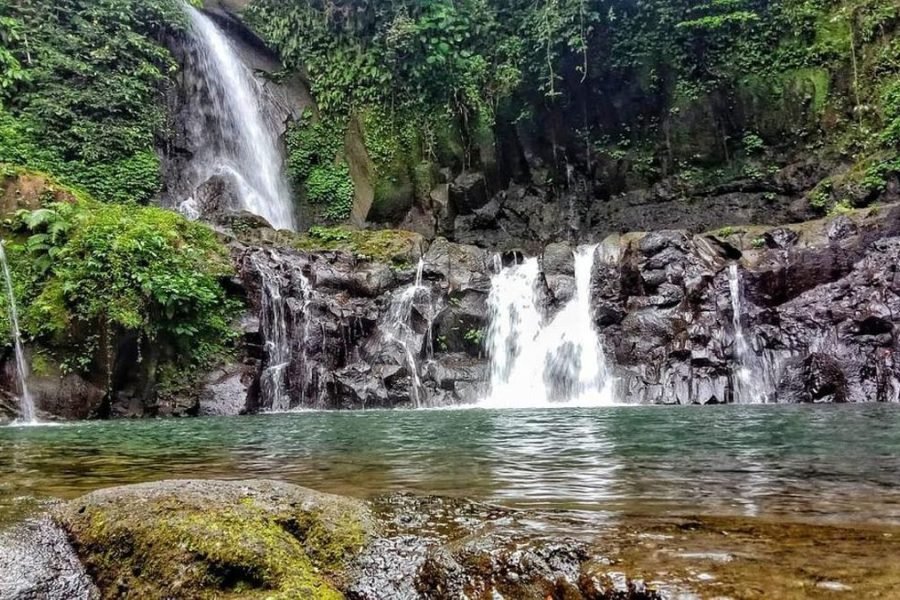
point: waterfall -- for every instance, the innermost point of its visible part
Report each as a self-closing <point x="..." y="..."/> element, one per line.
<point x="398" y="329"/>
<point x="275" y="317"/>
<point x="752" y="374"/>
<point x="538" y="363"/>
<point x="235" y="141"/>
<point x="26" y="403"/>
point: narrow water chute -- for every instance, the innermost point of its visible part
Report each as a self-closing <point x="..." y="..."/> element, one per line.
<point x="26" y="402"/>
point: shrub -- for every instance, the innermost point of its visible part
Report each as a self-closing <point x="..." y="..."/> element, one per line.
<point x="95" y="274"/>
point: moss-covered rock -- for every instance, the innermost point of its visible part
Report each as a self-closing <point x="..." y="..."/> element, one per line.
<point x="216" y="539"/>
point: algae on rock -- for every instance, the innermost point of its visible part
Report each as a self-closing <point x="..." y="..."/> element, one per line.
<point x="216" y="539"/>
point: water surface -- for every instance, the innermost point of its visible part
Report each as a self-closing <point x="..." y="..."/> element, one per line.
<point x="824" y="463"/>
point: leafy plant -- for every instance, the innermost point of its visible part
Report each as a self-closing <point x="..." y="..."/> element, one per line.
<point x="475" y="336"/>
<point x="100" y="273"/>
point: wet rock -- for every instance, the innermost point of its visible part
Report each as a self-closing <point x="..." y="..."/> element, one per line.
<point x="468" y="192"/>
<point x="443" y="548"/>
<point x="815" y="378"/>
<point x="224" y="392"/>
<point x="465" y="377"/>
<point x="558" y="259"/>
<point x="38" y="563"/>
<point x="190" y="539"/>
<point x="463" y="267"/>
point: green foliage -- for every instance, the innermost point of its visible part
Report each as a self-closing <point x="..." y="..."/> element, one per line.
<point x="331" y="186"/>
<point x="890" y="102"/>
<point x="91" y="274"/>
<point x="475" y="336"/>
<point x="81" y="85"/>
<point x="752" y="143"/>
<point x="329" y="234"/>
<point x="316" y="165"/>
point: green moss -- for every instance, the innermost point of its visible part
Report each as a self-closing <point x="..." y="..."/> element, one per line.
<point x="386" y="245"/>
<point x="812" y="82"/>
<point x="235" y="543"/>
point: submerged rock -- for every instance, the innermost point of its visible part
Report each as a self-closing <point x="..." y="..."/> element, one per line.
<point x="267" y="540"/>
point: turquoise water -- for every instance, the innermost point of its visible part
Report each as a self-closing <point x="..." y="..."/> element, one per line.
<point x="831" y="463"/>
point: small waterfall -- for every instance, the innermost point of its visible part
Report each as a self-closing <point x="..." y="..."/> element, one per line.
<point x="235" y="141"/>
<point x="26" y="402"/>
<point x="275" y="318"/>
<point x="752" y="374"/>
<point x="398" y="329"/>
<point x="534" y="363"/>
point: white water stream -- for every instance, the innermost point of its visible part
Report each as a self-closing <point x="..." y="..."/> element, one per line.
<point x="754" y="375"/>
<point x="539" y="362"/>
<point x="398" y="329"/>
<point x="26" y="402"/>
<point x="237" y="143"/>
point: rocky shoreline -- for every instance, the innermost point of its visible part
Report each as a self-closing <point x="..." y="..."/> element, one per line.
<point x="267" y="539"/>
<point x="818" y="313"/>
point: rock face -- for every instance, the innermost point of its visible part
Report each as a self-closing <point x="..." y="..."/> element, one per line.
<point x="814" y="308"/>
<point x="343" y="329"/>
<point x="340" y="332"/>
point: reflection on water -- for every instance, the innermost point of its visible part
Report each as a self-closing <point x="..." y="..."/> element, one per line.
<point x="839" y="463"/>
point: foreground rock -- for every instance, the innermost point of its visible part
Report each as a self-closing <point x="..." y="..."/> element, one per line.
<point x="266" y="539"/>
<point x="212" y="539"/>
<point x="37" y="563"/>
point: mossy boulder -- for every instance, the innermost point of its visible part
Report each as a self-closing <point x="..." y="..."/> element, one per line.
<point x="393" y="246"/>
<point x="216" y="539"/>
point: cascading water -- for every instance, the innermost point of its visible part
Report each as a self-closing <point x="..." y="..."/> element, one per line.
<point x="534" y="363"/>
<point x="398" y="329"/>
<point x="26" y="402"/>
<point x="235" y="141"/>
<point x="274" y="320"/>
<point x="752" y="374"/>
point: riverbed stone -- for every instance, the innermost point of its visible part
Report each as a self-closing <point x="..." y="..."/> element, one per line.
<point x="213" y="539"/>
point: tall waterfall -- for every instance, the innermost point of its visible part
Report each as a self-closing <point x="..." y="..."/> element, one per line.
<point x="26" y="402"/>
<point x="539" y="363"/>
<point x="237" y="143"/>
<point x="751" y="373"/>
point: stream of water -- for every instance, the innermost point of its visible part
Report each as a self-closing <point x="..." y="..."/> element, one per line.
<point x="26" y="402"/>
<point x="234" y="139"/>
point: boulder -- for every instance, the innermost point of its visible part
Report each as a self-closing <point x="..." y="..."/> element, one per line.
<point x="207" y="539"/>
<point x="468" y="192"/>
<point x="224" y="392"/>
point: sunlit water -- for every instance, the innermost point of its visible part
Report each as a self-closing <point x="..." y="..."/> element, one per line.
<point x="837" y="463"/>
